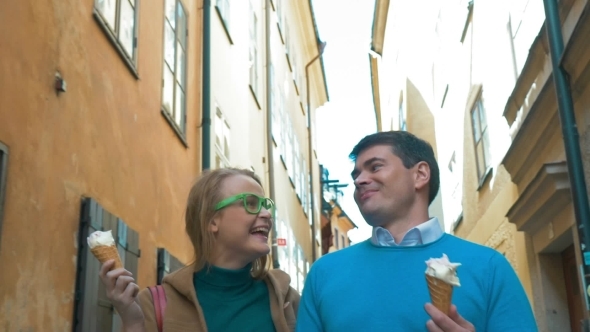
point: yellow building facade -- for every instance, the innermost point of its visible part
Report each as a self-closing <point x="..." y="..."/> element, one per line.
<point x="398" y="91"/>
<point x="110" y="111"/>
<point x="259" y="112"/>
<point x="98" y="130"/>
<point x="484" y="70"/>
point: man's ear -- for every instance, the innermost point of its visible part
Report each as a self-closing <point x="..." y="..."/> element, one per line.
<point x="422" y="175"/>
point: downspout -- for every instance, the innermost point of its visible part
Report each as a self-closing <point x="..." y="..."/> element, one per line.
<point x="310" y="152"/>
<point x="570" y="137"/>
<point x="269" y="144"/>
<point x="206" y="97"/>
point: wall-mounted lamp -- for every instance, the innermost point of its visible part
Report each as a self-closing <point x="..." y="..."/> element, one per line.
<point x="60" y="83"/>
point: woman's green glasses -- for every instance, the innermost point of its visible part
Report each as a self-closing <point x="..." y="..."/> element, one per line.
<point x="252" y="202"/>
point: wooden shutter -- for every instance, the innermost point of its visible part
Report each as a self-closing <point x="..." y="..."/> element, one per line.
<point x="166" y="264"/>
<point x="87" y="280"/>
<point x="3" y="171"/>
<point x="93" y="311"/>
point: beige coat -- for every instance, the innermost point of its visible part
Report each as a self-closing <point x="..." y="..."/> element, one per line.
<point x="183" y="312"/>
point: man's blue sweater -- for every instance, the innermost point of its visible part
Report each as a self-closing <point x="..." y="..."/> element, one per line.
<point x="370" y="288"/>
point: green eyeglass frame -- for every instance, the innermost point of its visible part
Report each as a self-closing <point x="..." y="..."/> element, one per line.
<point x="252" y="202"/>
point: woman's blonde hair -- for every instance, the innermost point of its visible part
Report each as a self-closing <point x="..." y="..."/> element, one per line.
<point x="200" y="210"/>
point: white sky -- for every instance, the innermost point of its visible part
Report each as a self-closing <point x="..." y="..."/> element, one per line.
<point x="349" y="115"/>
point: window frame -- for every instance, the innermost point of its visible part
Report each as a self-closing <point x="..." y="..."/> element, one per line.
<point x="223" y="9"/>
<point x="169" y="115"/>
<point x="253" y="54"/>
<point x="221" y="150"/>
<point x="280" y="18"/>
<point x="287" y="43"/>
<point x="166" y="264"/>
<point x="481" y="172"/>
<point x="296" y="166"/>
<point x="403" y="123"/>
<point x="275" y="110"/>
<point x="4" y="155"/>
<point x="284" y="128"/>
<point x="130" y="60"/>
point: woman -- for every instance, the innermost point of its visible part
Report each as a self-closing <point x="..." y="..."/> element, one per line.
<point x="229" y="286"/>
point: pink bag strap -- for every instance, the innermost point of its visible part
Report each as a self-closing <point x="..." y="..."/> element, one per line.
<point x="159" y="297"/>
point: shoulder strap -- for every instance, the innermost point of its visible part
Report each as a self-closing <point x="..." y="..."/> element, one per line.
<point x="159" y="297"/>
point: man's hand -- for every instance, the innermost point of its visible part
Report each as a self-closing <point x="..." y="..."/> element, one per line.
<point x="443" y="323"/>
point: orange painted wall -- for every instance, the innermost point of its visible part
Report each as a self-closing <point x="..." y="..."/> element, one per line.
<point x="104" y="138"/>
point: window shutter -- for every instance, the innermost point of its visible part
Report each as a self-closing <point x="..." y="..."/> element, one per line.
<point x="93" y="312"/>
<point x="105" y="310"/>
<point x="3" y="171"/>
<point x="87" y="280"/>
<point x="166" y="264"/>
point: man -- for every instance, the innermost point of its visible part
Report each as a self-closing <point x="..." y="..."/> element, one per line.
<point x="379" y="284"/>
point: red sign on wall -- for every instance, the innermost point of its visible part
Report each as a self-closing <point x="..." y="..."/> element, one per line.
<point x="281" y="242"/>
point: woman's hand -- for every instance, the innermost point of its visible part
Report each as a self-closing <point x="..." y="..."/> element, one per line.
<point x="122" y="290"/>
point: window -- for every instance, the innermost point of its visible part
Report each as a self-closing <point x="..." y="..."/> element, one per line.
<point x="481" y="140"/>
<point x="336" y="239"/>
<point x="166" y="264"/>
<point x="309" y="197"/>
<point x="3" y="171"/>
<point x="293" y="258"/>
<point x="223" y="10"/>
<point x="300" y="268"/>
<point x="93" y="311"/>
<point x="174" y="80"/>
<point x="295" y="72"/>
<point x="296" y="164"/>
<point x="222" y="140"/>
<point x="302" y="181"/>
<point x="283" y="234"/>
<point x="287" y="45"/>
<point x="289" y="148"/>
<point x="118" y="19"/>
<point x="526" y="18"/>
<point x="402" y="116"/>
<point x="284" y="129"/>
<point x="253" y="54"/>
<point x="275" y="108"/>
<point x="280" y="13"/>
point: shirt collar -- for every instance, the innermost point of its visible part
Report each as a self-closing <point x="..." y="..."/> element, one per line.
<point x="425" y="233"/>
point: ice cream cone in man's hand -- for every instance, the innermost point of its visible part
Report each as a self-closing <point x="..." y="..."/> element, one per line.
<point x="103" y="247"/>
<point x="441" y="276"/>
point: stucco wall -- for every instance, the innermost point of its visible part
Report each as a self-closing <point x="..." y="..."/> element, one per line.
<point x="104" y="138"/>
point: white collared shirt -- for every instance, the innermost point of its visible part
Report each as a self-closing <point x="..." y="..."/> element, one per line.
<point x="424" y="233"/>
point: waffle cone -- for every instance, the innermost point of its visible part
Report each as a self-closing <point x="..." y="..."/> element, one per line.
<point x="104" y="253"/>
<point x="440" y="293"/>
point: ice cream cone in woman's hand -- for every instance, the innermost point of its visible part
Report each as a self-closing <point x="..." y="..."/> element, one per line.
<point x="103" y="247"/>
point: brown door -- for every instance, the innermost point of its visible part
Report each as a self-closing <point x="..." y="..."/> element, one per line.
<point x="572" y="288"/>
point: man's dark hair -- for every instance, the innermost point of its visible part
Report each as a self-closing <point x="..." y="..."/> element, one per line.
<point x="409" y="148"/>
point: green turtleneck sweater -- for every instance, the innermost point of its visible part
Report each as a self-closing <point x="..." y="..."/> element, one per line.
<point x="233" y="301"/>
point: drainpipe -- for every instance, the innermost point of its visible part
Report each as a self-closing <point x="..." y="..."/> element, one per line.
<point x="321" y="48"/>
<point x="570" y="138"/>
<point x="269" y="144"/>
<point x="206" y="97"/>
